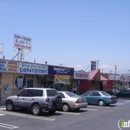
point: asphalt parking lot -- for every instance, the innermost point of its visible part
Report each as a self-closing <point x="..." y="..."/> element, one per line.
<point x="91" y="118"/>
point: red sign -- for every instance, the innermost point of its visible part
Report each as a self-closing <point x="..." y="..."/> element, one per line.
<point x="12" y="66"/>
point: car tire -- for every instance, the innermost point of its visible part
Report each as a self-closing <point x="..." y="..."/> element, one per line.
<point x="36" y="109"/>
<point x="100" y="102"/>
<point x="65" y="107"/>
<point x="52" y="112"/>
<point x="57" y="101"/>
<point x="9" y="106"/>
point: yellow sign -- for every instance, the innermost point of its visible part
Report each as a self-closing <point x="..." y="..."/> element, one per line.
<point x="61" y="79"/>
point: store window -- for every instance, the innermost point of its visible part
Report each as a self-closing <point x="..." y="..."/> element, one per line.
<point x="30" y="81"/>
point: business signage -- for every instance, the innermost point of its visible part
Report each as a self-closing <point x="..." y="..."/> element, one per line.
<point x="1" y="50"/>
<point x="22" y="42"/>
<point x="3" y="65"/>
<point x="61" y="79"/>
<point x="32" y="68"/>
<point x="114" y="77"/>
<point x="81" y="75"/>
<point x="125" y="78"/>
<point x="60" y="70"/>
<point x="93" y="65"/>
<point x="12" y="66"/>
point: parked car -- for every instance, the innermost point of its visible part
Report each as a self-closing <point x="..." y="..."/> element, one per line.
<point x="71" y="100"/>
<point x="35" y="99"/>
<point x="99" y="97"/>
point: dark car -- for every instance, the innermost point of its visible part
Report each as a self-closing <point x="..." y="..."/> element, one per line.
<point x="99" y="97"/>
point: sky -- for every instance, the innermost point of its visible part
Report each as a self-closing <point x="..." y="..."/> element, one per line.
<point x="69" y="32"/>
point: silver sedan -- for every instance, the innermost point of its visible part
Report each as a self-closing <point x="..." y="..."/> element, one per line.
<point x="72" y="101"/>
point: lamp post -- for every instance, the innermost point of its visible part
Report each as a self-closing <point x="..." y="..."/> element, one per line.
<point x="115" y="68"/>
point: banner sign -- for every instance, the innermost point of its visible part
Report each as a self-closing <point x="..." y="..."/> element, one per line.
<point x="61" y="79"/>
<point x="60" y="70"/>
<point x="93" y="65"/>
<point x="125" y="78"/>
<point x="1" y="50"/>
<point x="81" y="75"/>
<point x="3" y="65"/>
<point x="114" y="77"/>
<point x="32" y="68"/>
<point x="12" y="66"/>
<point x="22" y="42"/>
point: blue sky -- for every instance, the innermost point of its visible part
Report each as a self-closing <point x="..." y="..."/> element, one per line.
<point x="70" y="32"/>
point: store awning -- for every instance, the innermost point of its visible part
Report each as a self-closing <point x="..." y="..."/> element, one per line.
<point x="92" y="74"/>
<point x="103" y="78"/>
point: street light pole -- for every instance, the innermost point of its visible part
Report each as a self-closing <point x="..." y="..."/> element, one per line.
<point x="115" y="68"/>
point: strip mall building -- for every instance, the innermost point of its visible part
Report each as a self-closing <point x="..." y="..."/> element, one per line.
<point x="16" y="75"/>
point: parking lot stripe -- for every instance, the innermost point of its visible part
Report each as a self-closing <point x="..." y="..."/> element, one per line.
<point x="28" y="116"/>
<point x="98" y="106"/>
<point x="70" y="113"/>
<point x="2" y="114"/>
<point x="8" y="126"/>
<point x="89" y="109"/>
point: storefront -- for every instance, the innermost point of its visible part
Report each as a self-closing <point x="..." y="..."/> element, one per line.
<point x="80" y="82"/>
<point x="94" y="80"/>
<point x="15" y="76"/>
<point x="60" y="78"/>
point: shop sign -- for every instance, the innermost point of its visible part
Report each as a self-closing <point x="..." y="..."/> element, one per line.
<point x="114" y="77"/>
<point x="20" y="82"/>
<point x="61" y="79"/>
<point x="125" y="78"/>
<point x="22" y="42"/>
<point x="32" y="68"/>
<point x="81" y="75"/>
<point x="60" y="70"/>
<point x="3" y="65"/>
<point x="12" y="66"/>
<point x="93" y="65"/>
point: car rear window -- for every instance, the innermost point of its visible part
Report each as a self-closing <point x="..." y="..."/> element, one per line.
<point x="71" y="94"/>
<point x="105" y="94"/>
<point x="52" y="93"/>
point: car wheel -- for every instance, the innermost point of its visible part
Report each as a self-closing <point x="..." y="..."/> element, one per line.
<point x="100" y="102"/>
<point x="36" y="109"/>
<point x="52" y="112"/>
<point x="65" y="107"/>
<point x="9" y="106"/>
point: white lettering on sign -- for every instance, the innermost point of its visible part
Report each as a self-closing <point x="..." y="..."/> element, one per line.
<point x="32" y="68"/>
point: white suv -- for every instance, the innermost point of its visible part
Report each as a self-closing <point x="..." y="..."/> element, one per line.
<point x="36" y="99"/>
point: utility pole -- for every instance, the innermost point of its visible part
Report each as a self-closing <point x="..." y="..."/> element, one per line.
<point x="97" y="61"/>
<point x="102" y="70"/>
<point x="115" y="68"/>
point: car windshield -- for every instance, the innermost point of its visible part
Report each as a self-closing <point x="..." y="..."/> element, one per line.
<point x="104" y="93"/>
<point x="70" y="94"/>
<point x="86" y="93"/>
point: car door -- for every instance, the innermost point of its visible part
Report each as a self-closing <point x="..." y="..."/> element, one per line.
<point x="95" y="96"/>
<point x="21" y="99"/>
<point x="89" y="97"/>
<point x="29" y="99"/>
